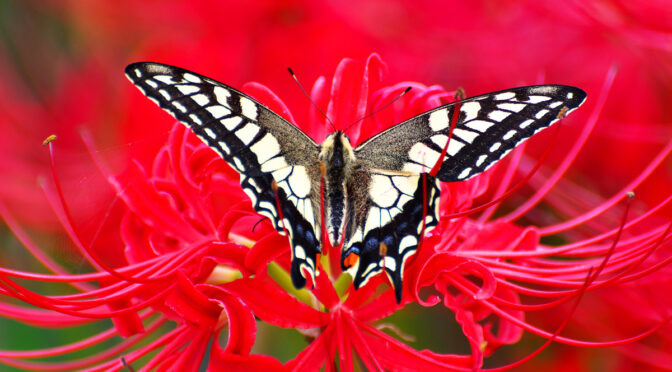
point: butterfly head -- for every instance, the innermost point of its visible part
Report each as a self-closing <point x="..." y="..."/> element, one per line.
<point x="336" y="152"/>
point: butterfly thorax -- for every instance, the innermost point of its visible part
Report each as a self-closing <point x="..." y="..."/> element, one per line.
<point x="337" y="160"/>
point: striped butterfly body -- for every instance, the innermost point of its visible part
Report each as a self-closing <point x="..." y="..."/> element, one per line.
<point x="378" y="198"/>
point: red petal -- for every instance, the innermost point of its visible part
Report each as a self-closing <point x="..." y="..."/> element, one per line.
<point x="316" y="355"/>
<point x="265" y="250"/>
<point x="317" y="124"/>
<point x="264" y="95"/>
<point x="225" y="362"/>
<point x="128" y="324"/>
<point x="394" y="355"/>
<point x="192" y="305"/>
<point x="350" y="91"/>
<point x="272" y="304"/>
<point x="324" y="290"/>
<point x="135" y="188"/>
<point x="242" y="325"/>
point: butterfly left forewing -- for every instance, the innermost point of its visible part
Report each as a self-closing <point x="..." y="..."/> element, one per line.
<point x="277" y="162"/>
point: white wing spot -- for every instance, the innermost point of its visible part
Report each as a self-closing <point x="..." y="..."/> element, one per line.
<point x="200" y="99"/>
<point x="515" y="107"/>
<point x="266" y="148"/>
<point x="151" y="83"/>
<point x="222" y="95"/>
<point x="238" y="164"/>
<point x="165" y="94"/>
<point x="210" y="132"/>
<point x="230" y="123"/>
<point x="166" y="79"/>
<point x="470" y="110"/>
<point x="187" y="89"/>
<point x="407" y="242"/>
<point x="495" y="146"/>
<point x="526" y="123"/>
<point x="195" y="119"/>
<point x="179" y="106"/>
<point x="247" y="133"/>
<point x="465" y="172"/>
<point x="480" y="160"/>
<point x="279" y="167"/>
<point x="498" y="116"/>
<point x="509" y="135"/>
<point x="406" y="184"/>
<point x="537" y="99"/>
<point x="440" y="140"/>
<point x="225" y="147"/>
<point x="218" y="111"/>
<point x="382" y="192"/>
<point x="438" y="120"/>
<point x="299" y="252"/>
<point x="299" y="181"/>
<point x="540" y="114"/>
<point x="555" y="104"/>
<point x="369" y="270"/>
<point x="248" y="108"/>
<point x="454" y="147"/>
<point x="570" y="95"/>
<point x="389" y="263"/>
<point x="252" y="194"/>
<point x="479" y="125"/>
<point x="420" y="153"/>
<point x="465" y="135"/>
<point x="505" y="95"/>
<point x="138" y="73"/>
<point x="191" y="77"/>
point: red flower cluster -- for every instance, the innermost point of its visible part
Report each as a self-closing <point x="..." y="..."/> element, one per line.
<point x="198" y="257"/>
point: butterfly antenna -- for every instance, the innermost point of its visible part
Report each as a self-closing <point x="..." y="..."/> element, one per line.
<point x="379" y="109"/>
<point x="333" y="127"/>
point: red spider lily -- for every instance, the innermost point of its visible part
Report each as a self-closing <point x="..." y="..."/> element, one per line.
<point x="197" y="256"/>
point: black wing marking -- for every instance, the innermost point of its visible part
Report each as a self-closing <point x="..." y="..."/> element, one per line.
<point x="274" y="158"/>
<point x="488" y="127"/>
<point x="400" y="207"/>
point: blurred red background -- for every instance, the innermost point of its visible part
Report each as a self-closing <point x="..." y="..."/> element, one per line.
<point x="61" y="67"/>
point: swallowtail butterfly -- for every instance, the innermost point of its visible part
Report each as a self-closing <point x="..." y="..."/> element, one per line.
<point x="377" y="198"/>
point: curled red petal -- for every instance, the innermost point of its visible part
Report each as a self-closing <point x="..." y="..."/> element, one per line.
<point x="242" y="325"/>
<point x="442" y="263"/>
<point x="272" y="304"/>
<point x="265" y="250"/>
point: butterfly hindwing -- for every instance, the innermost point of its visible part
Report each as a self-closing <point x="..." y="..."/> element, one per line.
<point x="276" y="160"/>
<point x="400" y="207"/>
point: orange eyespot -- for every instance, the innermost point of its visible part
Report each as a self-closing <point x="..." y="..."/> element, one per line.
<point x="351" y="260"/>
